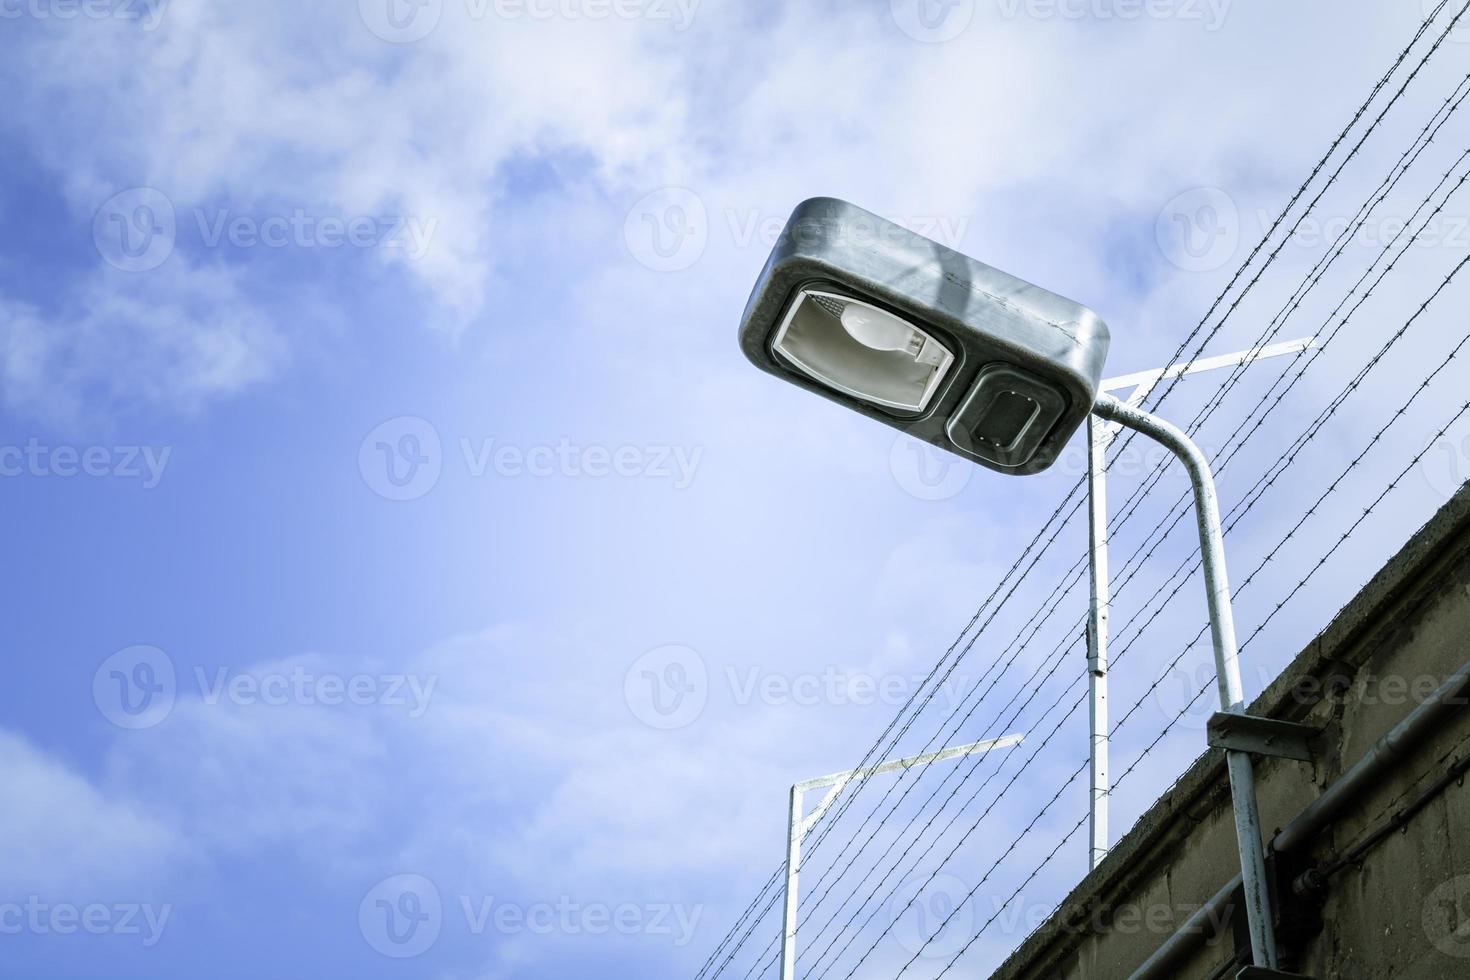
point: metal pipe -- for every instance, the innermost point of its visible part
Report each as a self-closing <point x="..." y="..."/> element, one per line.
<point x="1368" y="773"/>
<point x="793" y="868"/>
<point x="1387" y="752"/>
<point x="1227" y="663"/>
<point x="1098" y="437"/>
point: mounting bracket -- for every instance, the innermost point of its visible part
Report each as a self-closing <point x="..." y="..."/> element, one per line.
<point x="1262" y="736"/>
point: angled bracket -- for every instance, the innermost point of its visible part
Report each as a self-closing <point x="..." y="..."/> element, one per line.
<point x="1262" y="736"/>
<point x="799" y="825"/>
<point x="1101" y="434"/>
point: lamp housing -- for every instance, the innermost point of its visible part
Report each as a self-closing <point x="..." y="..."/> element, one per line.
<point x="873" y="316"/>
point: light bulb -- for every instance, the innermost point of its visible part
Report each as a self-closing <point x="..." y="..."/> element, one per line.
<point x="879" y="330"/>
<point x="862" y="350"/>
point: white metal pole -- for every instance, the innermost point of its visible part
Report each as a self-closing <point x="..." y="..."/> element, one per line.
<point x="800" y="826"/>
<point x="793" y="868"/>
<point x="1100" y="437"/>
<point x="1097" y="637"/>
<point x="1254" y="881"/>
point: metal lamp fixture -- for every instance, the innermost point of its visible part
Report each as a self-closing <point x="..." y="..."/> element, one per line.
<point x="973" y="360"/>
<point x="927" y="340"/>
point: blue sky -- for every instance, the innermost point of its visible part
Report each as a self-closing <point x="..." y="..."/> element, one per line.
<point x="369" y="393"/>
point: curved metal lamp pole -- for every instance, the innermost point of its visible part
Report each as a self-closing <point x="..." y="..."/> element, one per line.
<point x="1000" y="372"/>
<point x="1227" y="663"/>
<point x="1100" y="435"/>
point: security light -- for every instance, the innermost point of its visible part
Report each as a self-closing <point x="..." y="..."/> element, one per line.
<point x="862" y="351"/>
<point x="925" y="339"/>
<point x="1002" y="372"/>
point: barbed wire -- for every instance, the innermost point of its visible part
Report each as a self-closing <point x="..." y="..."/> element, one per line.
<point x="1135" y="501"/>
<point x="1332" y="488"/>
<point x="1288" y="457"/>
<point x="1362" y="518"/>
<point x="1305" y="580"/>
<point x="836" y="813"/>
<point x="1310" y="355"/>
<point x="1363" y="212"/>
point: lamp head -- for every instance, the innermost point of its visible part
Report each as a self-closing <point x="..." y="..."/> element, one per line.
<point x="916" y="335"/>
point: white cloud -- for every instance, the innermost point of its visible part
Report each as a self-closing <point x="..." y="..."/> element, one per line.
<point x="66" y="839"/>
<point x="179" y="338"/>
<point x="271" y="107"/>
<point x="1056" y="142"/>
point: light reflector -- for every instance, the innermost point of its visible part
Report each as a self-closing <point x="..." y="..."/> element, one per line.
<point x="863" y="351"/>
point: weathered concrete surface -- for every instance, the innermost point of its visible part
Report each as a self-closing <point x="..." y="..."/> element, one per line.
<point x="1404" y="910"/>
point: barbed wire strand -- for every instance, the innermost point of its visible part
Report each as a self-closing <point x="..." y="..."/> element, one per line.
<point x="1162" y="395"/>
<point x="1326" y="557"/>
<point x="1332" y="488"/>
<point x="1180" y="505"/>
<point x="1402" y="167"/>
<point x="1288" y="457"/>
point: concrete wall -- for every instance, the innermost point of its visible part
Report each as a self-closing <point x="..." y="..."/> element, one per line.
<point x="1404" y="910"/>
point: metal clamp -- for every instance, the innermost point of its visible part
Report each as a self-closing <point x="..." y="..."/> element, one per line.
<point x="1262" y="736"/>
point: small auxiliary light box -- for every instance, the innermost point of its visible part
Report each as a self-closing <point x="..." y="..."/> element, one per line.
<point x="930" y="341"/>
